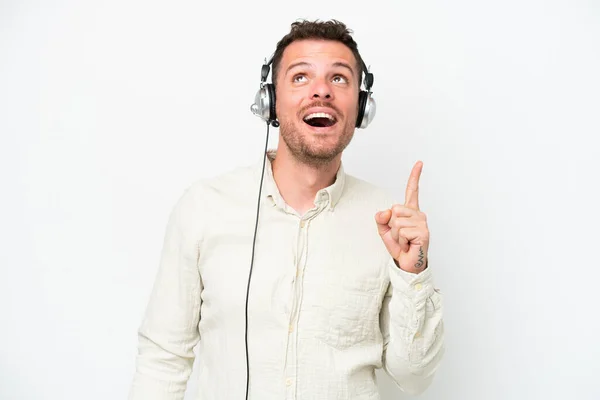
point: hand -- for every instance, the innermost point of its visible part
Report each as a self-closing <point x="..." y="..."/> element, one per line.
<point x="403" y="228"/>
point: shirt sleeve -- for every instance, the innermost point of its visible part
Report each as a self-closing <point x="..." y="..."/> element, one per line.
<point x="412" y="326"/>
<point x="169" y="329"/>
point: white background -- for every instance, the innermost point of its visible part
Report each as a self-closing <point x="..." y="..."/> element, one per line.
<point x="110" y="109"/>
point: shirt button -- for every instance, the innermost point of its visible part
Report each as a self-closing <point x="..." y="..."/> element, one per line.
<point x="302" y="223"/>
<point x="418" y="286"/>
<point x="291" y="328"/>
<point x="288" y="382"/>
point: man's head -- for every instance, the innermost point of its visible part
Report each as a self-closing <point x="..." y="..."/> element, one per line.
<point x="317" y="73"/>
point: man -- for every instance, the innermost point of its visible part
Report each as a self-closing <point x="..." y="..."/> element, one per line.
<point x="337" y="288"/>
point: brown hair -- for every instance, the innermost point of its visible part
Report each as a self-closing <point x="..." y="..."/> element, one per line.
<point x="328" y="30"/>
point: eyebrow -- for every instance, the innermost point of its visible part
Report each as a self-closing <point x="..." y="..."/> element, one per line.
<point x="305" y="64"/>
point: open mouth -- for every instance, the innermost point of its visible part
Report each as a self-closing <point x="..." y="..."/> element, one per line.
<point x="320" y="120"/>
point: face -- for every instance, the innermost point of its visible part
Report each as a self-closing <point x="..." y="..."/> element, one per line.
<point x="317" y="99"/>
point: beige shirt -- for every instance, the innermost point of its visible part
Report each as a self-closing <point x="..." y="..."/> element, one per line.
<point x="327" y="304"/>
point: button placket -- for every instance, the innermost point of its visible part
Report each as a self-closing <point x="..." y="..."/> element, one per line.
<point x="299" y="260"/>
<point x="297" y="282"/>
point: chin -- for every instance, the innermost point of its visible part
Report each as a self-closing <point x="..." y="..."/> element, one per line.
<point x="315" y="144"/>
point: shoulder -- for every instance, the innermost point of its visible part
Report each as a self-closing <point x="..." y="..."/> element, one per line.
<point x="216" y="190"/>
<point x="205" y="200"/>
<point x="227" y="181"/>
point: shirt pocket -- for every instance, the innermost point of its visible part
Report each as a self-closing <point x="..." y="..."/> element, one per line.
<point x="348" y="312"/>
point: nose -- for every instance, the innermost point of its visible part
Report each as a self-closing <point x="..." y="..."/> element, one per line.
<point x="321" y="90"/>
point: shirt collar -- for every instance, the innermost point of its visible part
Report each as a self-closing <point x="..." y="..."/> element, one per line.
<point x="329" y="195"/>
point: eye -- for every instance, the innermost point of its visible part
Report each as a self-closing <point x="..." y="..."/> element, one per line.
<point x="340" y="79"/>
<point x="297" y="78"/>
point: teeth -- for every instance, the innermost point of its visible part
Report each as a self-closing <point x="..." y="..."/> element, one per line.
<point x="319" y="115"/>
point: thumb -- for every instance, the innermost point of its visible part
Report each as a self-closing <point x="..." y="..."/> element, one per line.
<point x="382" y="218"/>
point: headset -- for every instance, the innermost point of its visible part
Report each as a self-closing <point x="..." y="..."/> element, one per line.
<point x="264" y="101"/>
<point x="264" y="107"/>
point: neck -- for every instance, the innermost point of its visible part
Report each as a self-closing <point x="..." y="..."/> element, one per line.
<point x="297" y="182"/>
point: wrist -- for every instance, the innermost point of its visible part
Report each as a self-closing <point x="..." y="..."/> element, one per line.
<point x="415" y="270"/>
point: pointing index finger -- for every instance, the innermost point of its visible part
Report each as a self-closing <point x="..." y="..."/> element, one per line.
<point x="412" y="187"/>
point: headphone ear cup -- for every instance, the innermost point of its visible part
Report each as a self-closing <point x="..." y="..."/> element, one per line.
<point x="271" y="95"/>
<point x="362" y="103"/>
